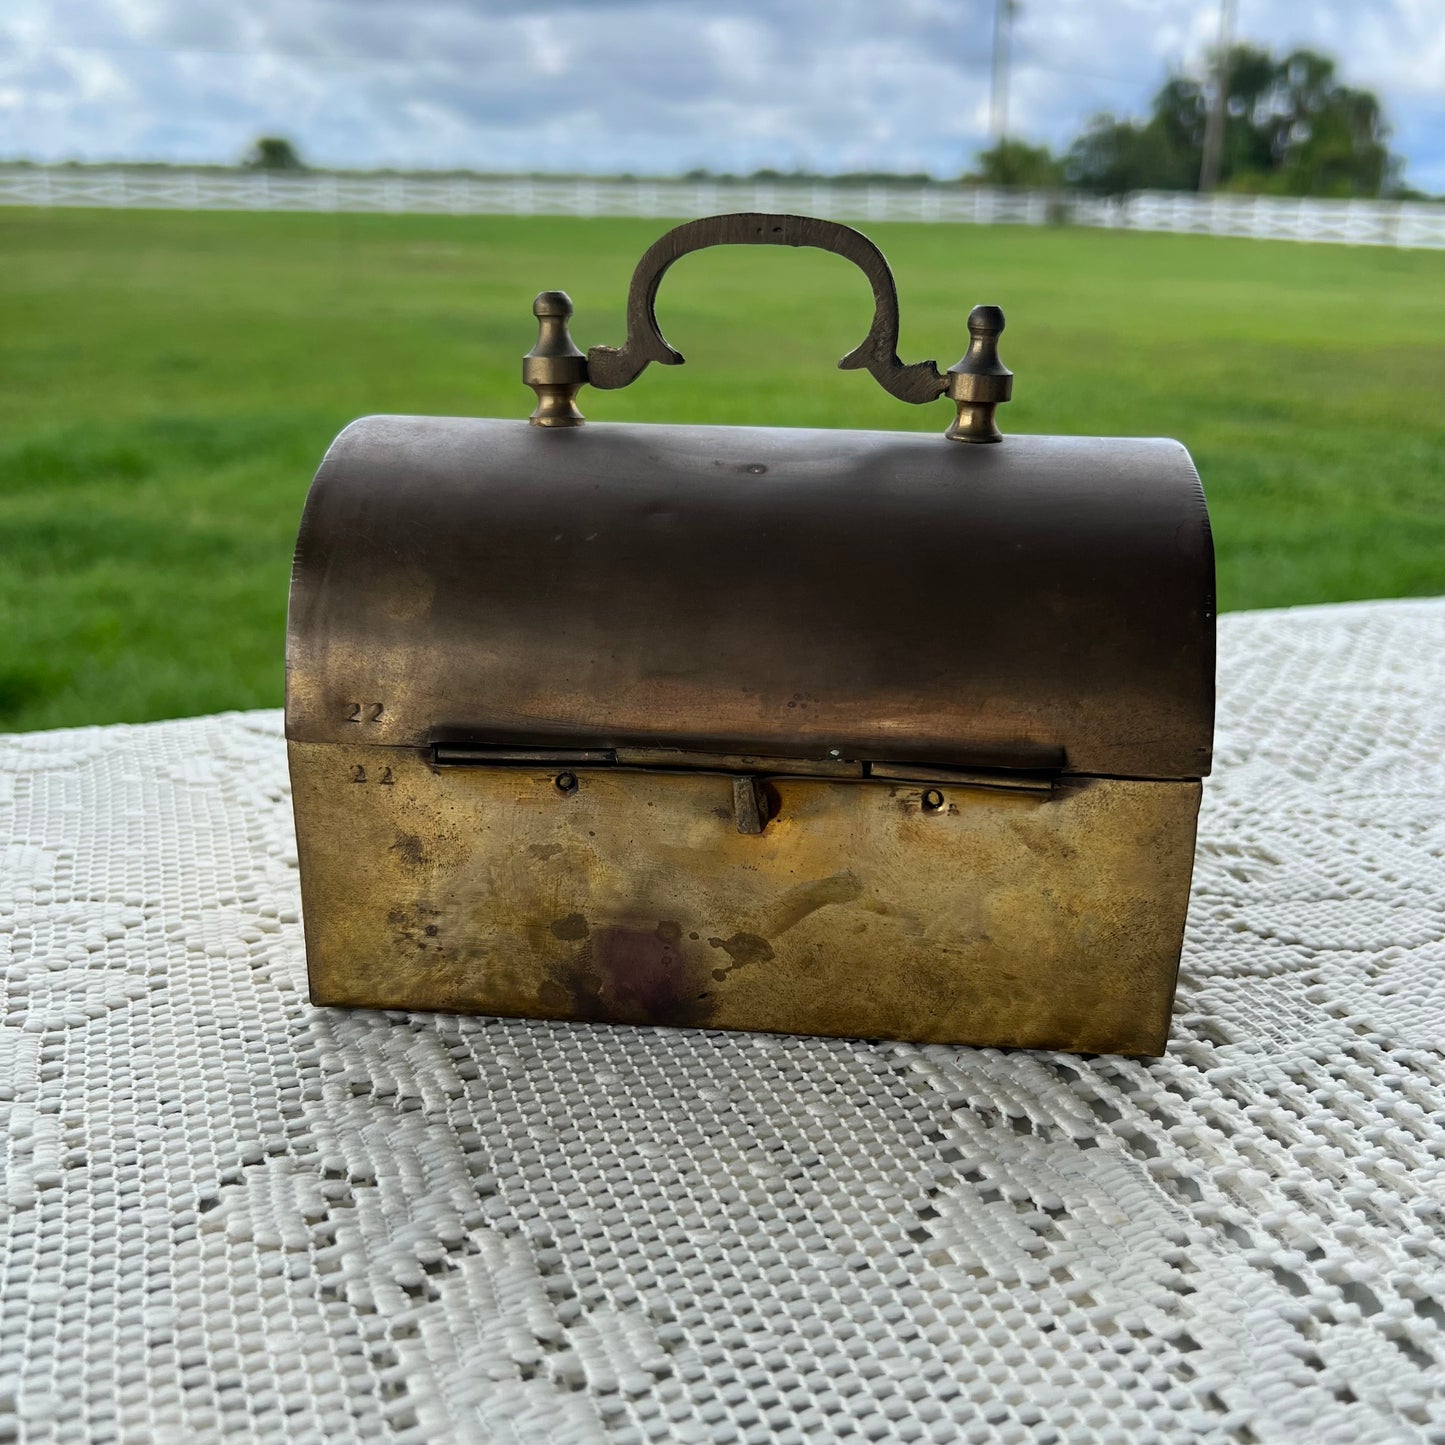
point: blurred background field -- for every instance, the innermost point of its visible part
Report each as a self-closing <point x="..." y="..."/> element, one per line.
<point x="170" y="381"/>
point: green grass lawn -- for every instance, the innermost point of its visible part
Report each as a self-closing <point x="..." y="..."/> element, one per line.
<point x="169" y="381"/>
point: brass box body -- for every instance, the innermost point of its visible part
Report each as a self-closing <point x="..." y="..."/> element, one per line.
<point x="970" y="689"/>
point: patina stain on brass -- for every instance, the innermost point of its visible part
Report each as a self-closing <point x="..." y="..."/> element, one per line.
<point x="1043" y="918"/>
<point x="848" y="733"/>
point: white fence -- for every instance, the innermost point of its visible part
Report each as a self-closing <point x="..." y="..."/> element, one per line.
<point x="1358" y="223"/>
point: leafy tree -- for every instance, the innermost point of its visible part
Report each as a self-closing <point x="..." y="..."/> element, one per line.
<point x="1116" y="156"/>
<point x="273" y="153"/>
<point x="1290" y="128"/>
<point x="1016" y="163"/>
<point x="1326" y="139"/>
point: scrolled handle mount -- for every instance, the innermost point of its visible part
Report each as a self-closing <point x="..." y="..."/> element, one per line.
<point x="557" y="370"/>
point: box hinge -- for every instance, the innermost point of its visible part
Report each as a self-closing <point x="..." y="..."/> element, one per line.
<point x="749" y="766"/>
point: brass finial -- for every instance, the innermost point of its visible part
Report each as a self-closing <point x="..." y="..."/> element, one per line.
<point x="554" y="368"/>
<point x="980" y="382"/>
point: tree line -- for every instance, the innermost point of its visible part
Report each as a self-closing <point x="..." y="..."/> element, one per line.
<point x="1291" y="128"/>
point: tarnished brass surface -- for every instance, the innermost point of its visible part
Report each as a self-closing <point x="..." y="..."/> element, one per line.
<point x="1048" y="603"/>
<point x="811" y="731"/>
<point x="554" y="368"/>
<point x="872" y="908"/>
<point x="980" y="383"/>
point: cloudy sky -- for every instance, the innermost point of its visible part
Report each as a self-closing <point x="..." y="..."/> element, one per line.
<point x="646" y="85"/>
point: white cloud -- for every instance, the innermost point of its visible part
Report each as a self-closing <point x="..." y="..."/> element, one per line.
<point x="645" y="85"/>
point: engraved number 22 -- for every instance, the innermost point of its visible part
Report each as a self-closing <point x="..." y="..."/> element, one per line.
<point x="365" y="712"/>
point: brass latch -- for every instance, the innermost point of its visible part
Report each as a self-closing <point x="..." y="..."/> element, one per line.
<point x="752" y="805"/>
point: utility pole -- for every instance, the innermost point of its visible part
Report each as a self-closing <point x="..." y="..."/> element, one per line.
<point x="1214" y="123"/>
<point x="1003" y="16"/>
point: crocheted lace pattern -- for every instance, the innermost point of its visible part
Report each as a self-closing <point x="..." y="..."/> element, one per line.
<point x="228" y="1215"/>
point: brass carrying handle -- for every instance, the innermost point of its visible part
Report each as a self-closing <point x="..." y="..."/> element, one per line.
<point x="609" y="367"/>
<point x="556" y="370"/>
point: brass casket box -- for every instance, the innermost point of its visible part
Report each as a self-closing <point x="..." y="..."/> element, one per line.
<point x="833" y="732"/>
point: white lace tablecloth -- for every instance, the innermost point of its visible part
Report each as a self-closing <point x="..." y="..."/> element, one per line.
<point x="228" y="1215"/>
